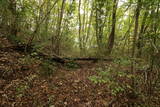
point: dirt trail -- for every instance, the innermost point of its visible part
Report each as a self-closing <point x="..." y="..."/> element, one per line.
<point x="22" y="86"/>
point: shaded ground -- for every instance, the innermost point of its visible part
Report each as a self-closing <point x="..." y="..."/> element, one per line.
<point x="33" y="82"/>
<point x="23" y="84"/>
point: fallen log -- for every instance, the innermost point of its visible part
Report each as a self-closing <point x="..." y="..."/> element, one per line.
<point x="54" y="57"/>
<point x="17" y="48"/>
<point x="89" y="59"/>
<point x="60" y="59"/>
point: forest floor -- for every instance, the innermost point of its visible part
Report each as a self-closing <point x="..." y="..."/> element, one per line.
<point x="24" y="83"/>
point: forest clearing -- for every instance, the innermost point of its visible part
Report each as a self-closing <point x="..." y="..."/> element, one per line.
<point x="79" y="53"/>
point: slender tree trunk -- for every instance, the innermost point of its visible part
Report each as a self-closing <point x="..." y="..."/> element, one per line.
<point x="84" y="27"/>
<point x="97" y="30"/>
<point x="89" y="26"/>
<point x="112" y="34"/>
<point x="59" y="27"/>
<point x="80" y="27"/>
<point x="137" y="13"/>
<point x="140" y="36"/>
<point x="47" y="18"/>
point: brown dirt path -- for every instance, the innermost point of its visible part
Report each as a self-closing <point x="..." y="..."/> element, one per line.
<point x="22" y="86"/>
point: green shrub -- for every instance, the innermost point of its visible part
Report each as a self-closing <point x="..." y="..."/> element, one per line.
<point x="110" y="76"/>
<point x="124" y="61"/>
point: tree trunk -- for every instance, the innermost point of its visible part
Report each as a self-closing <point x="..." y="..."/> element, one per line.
<point x="89" y="26"/>
<point x="99" y="25"/>
<point x="140" y="36"/>
<point x="136" y="27"/>
<point x="80" y="27"/>
<point x="137" y="13"/>
<point x="47" y="18"/>
<point x="59" y="27"/>
<point x="112" y="34"/>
